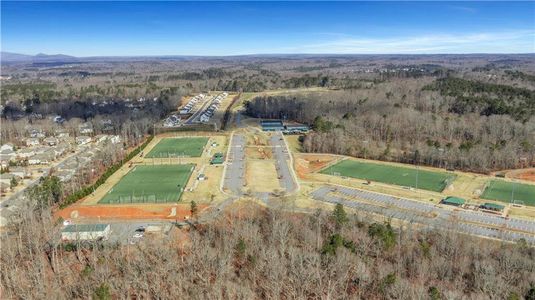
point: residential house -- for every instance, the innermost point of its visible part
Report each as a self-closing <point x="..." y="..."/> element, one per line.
<point x="36" y="133"/>
<point x="7" y="177"/>
<point x="61" y="133"/>
<point x="20" y="172"/>
<point x="33" y="141"/>
<point x="7" y="146"/>
<point x="115" y="139"/>
<point x="65" y="175"/>
<point x="41" y="159"/>
<point x="25" y="153"/>
<point x="59" y="150"/>
<point x="4" y="187"/>
<point x="51" y="141"/>
<point x="85" y="128"/>
<point x="83" y="139"/>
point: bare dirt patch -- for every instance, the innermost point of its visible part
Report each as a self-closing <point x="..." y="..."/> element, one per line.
<point x="524" y="174"/>
<point x="310" y="163"/>
<point x="128" y="212"/>
<point x="259" y="152"/>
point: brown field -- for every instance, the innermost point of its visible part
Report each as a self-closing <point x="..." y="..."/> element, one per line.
<point x="128" y="212"/>
<point x="261" y="176"/>
<point x="522" y="174"/>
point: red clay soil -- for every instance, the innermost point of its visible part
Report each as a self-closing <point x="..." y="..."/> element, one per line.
<point x="123" y="212"/>
<point x="528" y="175"/>
<point x="310" y="163"/>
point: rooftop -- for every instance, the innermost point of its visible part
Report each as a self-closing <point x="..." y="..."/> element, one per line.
<point x="85" y="227"/>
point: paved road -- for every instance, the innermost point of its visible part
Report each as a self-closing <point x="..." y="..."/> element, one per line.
<point x="235" y="169"/>
<point x="282" y="156"/>
<point x="470" y="222"/>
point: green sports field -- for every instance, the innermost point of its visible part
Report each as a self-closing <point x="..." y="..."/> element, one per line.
<point x="174" y="147"/>
<point x="150" y="184"/>
<point x="403" y="176"/>
<point x="502" y="190"/>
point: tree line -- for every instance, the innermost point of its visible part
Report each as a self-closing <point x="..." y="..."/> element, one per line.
<point x="394" y="124"/>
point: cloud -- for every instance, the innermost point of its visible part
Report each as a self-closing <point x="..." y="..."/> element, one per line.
<point x="503" y="42"/>
<point x="465" y="9"/>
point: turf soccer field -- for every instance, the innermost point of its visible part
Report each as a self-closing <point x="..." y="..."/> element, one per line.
<point x="427" y="180"/>
<point x="174" y="147"/>
<point x="150" y="184"/>
<point x="503" y="190"/>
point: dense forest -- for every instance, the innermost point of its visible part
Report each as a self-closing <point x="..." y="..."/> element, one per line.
<point x="417" y="121"/>
<point x="268" y="254"/>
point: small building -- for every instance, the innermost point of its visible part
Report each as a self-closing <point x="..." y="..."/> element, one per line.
<point x="272" y="125"/>
<point x="217" y="159"/>
<point x="86" y="232"/>
<point x="454" y="201"/>
<point x="296" y="128"/>
<point x="492" y="206"/>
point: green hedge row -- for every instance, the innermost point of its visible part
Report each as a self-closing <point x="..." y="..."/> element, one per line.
<point x="89" y="189"/>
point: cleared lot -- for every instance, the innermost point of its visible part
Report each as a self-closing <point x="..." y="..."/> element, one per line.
<point x="175" y="147"/>
<point x="403" y="176"/>
<point x="150" y="184"/>
<point x="506" y="191"/>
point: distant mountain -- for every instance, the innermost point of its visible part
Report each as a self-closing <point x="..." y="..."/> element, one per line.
<point x="9" y="57"/>
<point x="14" y="57"/>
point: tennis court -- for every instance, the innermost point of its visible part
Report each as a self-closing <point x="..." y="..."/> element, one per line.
<point x="150" y="184"/>
<point x="403" y="176"/>
<point x="175" y="147"/>
<point x="506" y="191"/>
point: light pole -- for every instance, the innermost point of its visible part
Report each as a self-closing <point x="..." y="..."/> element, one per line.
<point x="513" y="193"/>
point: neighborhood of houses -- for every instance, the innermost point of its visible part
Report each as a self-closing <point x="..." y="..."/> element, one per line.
<point x="214" y="105"/>
<point x="34" y="156"/>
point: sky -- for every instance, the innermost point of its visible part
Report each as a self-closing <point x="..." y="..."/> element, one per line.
<point x="237" y="28"/>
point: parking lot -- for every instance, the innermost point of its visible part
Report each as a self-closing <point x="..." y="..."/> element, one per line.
<point x="281" y="155"/>
<point x="470" y="222"/>
<point x="235" y="168"/>
<point x="125" y="232"/>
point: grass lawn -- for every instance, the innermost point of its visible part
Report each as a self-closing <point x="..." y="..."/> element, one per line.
<point x="403" y="176"/>
<point x="174" y="147"/>
<point x="502" y="190"/>
<point x="150" y="184"/>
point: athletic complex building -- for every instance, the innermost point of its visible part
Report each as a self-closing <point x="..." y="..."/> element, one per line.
<point x="286" y="128"/>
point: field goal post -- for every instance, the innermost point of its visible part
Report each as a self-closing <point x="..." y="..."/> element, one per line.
<point x="518" y="203"/>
